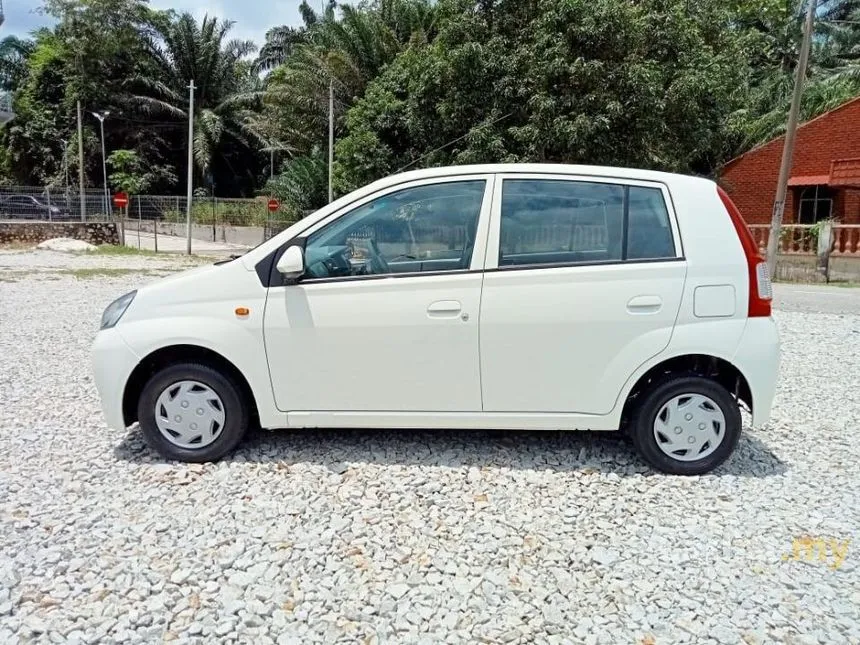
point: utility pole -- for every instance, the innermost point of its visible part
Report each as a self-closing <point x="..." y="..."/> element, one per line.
<point x="191" y="89"/>
<point x="66" y="167"/>
<point x="101" y="117"/>
<point x="83" y="195"/>
<point x="788" y="148"/>
<point x="330" y="137"/>
<point x="272" y="163"/>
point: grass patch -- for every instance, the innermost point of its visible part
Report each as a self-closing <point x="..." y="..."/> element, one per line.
<point x="99" y="272"/>
<point x="116" y="249"/>
<point x="103" y="272"/>
<point x="17" y="247"/>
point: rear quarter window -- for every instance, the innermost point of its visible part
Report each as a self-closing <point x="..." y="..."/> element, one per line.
<point x="649" y="233"/>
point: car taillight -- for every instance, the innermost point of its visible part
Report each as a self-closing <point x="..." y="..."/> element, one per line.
<point x="760" y="289"/>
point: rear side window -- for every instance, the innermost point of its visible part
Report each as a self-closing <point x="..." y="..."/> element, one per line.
<point x="649" y="234"/>
<point x="560" y="222"/>
<point x="547" y="221"/>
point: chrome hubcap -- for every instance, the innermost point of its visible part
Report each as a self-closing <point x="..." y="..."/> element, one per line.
<point x="689" y="427"/>
<point x="189" y="414"/>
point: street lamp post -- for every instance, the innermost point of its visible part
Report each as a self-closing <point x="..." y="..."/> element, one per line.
<point x="101" y="117"/>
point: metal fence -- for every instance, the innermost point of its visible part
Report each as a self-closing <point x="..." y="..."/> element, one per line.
<point x="45" y="203"/>
<point x="57" y="204"/>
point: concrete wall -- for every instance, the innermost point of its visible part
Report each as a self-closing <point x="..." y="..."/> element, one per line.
<point x="35" y="232"/>
<point x="242" y="235"/>
<point x="803" y="268"/>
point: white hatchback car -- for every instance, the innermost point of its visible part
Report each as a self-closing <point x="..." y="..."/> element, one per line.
<point x="540" y="297"/>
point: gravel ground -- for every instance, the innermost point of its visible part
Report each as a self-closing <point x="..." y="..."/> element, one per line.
<point x="413" y="537"/>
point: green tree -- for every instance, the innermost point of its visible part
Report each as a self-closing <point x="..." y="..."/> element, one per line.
<point x="14" y="52"/>
<point x="302" y="184"/>
<point x="599" y="81"/>
<point x="130" y="174"/>
<point x="227" y="91"/>
<point x="773" y="31"/>
<point x="86" y="56"/>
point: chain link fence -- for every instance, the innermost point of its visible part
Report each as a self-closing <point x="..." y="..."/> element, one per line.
<point x="50" y="203"/>
<point x="241" y="222"/>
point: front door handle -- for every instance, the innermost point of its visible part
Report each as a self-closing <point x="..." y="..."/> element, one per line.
<point x="444" y="309"/>
<point x="645" y="305"/>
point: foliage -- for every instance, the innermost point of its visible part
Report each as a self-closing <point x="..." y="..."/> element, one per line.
<point x="14" y="53"/>
<point x="302" y="184"/>
<point x="129" y="174"/>
<point x="668" y="84"/>
<point x="185" y="51"/>
<point x="609" y="82"/>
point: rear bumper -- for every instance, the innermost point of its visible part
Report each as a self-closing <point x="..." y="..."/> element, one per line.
<point x="757" y="357"/>
<point x="113" y="362"/>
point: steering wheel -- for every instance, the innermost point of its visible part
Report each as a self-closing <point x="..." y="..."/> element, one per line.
<point x="377" y="262"/>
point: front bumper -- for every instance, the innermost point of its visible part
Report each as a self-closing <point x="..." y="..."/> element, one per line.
<point x="757" y="358"/>
<point x="113" y="363"/>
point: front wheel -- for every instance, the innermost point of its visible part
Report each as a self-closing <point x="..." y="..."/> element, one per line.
<point x="192" y="412"/>
<point x="687" y="425"/>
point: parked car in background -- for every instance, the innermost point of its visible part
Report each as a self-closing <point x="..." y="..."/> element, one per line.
<point x="535" y="297"/>
<point x="31" y="207"/>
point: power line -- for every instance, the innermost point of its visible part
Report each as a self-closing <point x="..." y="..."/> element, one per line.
<point x="415" y="161"/>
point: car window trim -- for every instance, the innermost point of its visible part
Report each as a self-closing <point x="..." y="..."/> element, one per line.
<point x="266" y="267"/>
<point x="493" y="252"/>
<point x="625" y="222"/>
<point x="432" y="274"/>
<point x="573" y="265"/>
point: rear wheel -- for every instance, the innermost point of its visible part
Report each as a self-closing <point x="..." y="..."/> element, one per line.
<point x="686" y="425"/>
<point x="192" y="412"/>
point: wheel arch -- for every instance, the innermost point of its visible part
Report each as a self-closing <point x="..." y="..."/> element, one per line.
<point x="170" y="355"/>
<point x="711" y="367"/>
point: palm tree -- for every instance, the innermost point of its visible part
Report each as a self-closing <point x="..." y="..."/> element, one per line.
<point x="226" y="86"/>
<point x="280" y="43"/>
<point x="347" y="51"/>
<point x="833" y="75"/>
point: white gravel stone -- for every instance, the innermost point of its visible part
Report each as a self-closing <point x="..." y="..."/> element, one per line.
<point x="418" y="536"/>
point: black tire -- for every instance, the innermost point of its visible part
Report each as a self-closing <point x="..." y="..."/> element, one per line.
<point x="641" y="425"/>
<point x="236" y="415"/>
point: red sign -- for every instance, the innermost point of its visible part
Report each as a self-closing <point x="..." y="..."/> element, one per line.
<point x="120" y="200"/>
<point x="273" y="205"/>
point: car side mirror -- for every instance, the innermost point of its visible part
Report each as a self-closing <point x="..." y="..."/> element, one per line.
<point x="292" y="263"/>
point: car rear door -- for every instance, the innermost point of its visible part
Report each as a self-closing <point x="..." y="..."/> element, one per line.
<point x="583" y="282"/>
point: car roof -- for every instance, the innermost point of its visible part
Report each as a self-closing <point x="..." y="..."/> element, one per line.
<point x="542" y="168"/>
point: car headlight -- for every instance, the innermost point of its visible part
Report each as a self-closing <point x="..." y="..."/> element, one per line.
<point x="114" y="311"/>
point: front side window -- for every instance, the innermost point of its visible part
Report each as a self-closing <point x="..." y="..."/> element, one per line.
<point x="547" y="221"/>
<point x="414" y="230"/>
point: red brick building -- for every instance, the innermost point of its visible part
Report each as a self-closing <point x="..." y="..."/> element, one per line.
<point x="824" y="181"/>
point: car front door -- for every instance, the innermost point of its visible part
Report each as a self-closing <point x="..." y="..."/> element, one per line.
<point x="385" y="318"/>
<point x="583" y="284"/>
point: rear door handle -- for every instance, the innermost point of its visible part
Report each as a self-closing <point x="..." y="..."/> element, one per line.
<point x="645" y="305"/>
<point x="444" y="309"/>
